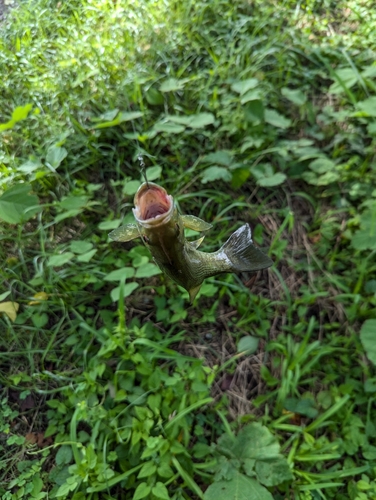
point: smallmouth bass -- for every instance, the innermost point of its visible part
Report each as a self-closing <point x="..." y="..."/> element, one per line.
<point x="161" y="228"/>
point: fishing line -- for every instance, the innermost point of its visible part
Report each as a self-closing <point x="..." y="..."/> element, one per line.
<point x="142" y="166"/>
<point x="140" y="157"/>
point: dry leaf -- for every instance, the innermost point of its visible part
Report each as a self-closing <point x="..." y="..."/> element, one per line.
<point x="38" y="439"/>
<point x="31" y="438"/>
<point x="10" y="309"/>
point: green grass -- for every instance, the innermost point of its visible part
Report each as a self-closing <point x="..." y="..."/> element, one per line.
<point x="112" y="384"/>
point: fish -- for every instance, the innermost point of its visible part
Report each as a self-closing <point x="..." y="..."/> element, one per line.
<point x="161" y="227"/>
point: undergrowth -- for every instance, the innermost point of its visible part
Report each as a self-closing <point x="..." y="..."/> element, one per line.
<point x="112" y="384"/>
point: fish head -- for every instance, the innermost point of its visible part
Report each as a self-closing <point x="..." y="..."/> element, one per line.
<point x="154" y="207"/>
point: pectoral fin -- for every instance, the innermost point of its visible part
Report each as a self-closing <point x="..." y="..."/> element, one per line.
<point x="125" y="233"/>
<point x="192" y="222"/>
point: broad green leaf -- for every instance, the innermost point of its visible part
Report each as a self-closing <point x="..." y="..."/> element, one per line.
<point x="240" y="487"/>
<point x="365" y="237"/>
<point x="160" y="491"/>
<point x="16" y="204"/>
<point x="371" y="129"/>
<point x="368" y="339"/>
<point x="273" y="180"/>
<point x="221" y="157"/>
<point x="328" y="178"/>
<point x="344" y="78"/>
<point x="120" y="274"/>
<point x="208" y="290"/>
<point x="215" y="173"/>
<point x="248" y="344"/>
<point x="295" y="96"/>
<point x="65" y="488"/>
<point x="180" y="119"/>
<point x="130" y="187"/>
<point x="80" y="246"/>
<point x="369" y="453"/>
<point x="39" y="320"/>
<point x="127" y="116"/>
<point x="198" y="120"/>
<point x="252" y="95"/>
<point x="243" y="86"/>
<point x="273" y="472"/>
<point x="252" y="142"/>
<point x="254" y="112"/>
<point x="276" y="119"/>
<point x="368" y="106"/>
<point x="239" y="177"/>
<point x="154" y="97"/>
<point x="106" y="116"/>
<point x="140" y="260"/>
<point x="201" y="120"/>
<point x="55" y="155"/>
<point x="147" y="270"/>
<point x="253" y="441"/>
<point x="369" y="71"/>
<point x="142" y="491"/>
<point x="64" y="455"/>
<point x="168" y="127"/>
<point x="164" y="470"/>
<point x="86" y="257"/>
<point x="153" y="173"/>
<point x="30" y="166"/>
<point x="37" y="488"/>
<point x="60" y="260"/>
<point x="310" y="177"/>
<point x="74" y="202"/>
<point x="109" y="224"/>
<point x="147" y="470"/>
<point x="91" y="458"/>
<point x="322" y="165"/>
<point x="302" y="406"/>
<point x="128" y="288"/>
<point x="171" y="85"/>
<point x="10" y="309"/>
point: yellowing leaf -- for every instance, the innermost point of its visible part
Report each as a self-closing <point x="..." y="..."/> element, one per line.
<point x="38" y="297"/>
<point x="10" y="309"/>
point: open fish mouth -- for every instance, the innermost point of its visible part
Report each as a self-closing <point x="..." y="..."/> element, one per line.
<point x="153" y="206"/>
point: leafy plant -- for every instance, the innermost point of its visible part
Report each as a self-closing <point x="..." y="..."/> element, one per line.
<point x="247" y="463"/>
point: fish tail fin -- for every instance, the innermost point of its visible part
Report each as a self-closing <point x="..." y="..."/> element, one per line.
<point x="242" y="254"/>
